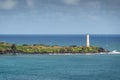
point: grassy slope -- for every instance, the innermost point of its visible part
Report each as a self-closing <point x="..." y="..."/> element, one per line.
<point x="36" y="48"/>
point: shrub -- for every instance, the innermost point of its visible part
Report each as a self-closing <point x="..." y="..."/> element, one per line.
<point x="13" y="47"/>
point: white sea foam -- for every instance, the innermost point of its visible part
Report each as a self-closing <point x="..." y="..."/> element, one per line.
<point x="114" y="52"/>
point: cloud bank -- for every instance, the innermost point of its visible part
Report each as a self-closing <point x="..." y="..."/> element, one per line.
<point x="8" y="4"/>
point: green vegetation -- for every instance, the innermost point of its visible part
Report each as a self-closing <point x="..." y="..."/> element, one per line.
<point x="42" y="49"/>
<point x="13" y="47"/>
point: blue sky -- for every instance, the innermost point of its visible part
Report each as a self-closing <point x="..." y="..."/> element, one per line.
<point x="59" y="16"/>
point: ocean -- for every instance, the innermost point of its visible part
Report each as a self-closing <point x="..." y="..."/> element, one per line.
<point x="61" y="67"/>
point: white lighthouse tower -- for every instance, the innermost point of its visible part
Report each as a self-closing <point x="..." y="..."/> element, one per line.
<point x="87" y="41"/>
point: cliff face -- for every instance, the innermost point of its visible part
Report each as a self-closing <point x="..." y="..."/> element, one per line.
<point x="42" y="49"/>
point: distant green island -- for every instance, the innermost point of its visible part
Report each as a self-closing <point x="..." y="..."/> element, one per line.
<point x="6" y="48"/>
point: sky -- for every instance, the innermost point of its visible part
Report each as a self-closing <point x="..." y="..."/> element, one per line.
<point x="59" y="16"/>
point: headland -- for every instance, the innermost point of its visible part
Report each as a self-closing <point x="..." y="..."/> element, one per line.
<point x="6" y="48"/>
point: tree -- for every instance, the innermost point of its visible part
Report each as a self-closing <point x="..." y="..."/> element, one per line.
<point x="25" y="45"/>
<point x="13" y="47"/>
<point x="73" y="45"/>
<point x="62" y="50"/>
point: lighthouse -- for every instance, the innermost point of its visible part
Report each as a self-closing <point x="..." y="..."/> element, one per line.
<point x="87" y="41"/>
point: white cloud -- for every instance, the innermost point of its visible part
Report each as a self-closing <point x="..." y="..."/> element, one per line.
<point x="71" y="2"/>
<point x="30" y="3"/>
<point x="8" y="4"/>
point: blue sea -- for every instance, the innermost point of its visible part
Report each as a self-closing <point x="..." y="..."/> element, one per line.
<point x="61" y="67"/>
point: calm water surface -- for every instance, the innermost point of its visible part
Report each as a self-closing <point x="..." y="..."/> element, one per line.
<point x="60" y="67"/>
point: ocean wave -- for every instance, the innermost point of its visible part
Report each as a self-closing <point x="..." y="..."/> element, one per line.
<point x="114" y="52"/>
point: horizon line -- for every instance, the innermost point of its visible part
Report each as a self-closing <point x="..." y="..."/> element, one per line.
<point x="61" y="34"/>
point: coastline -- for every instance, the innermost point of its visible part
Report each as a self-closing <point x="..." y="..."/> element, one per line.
<point x="8" y="48"/>
<point x="60" y="54"/>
